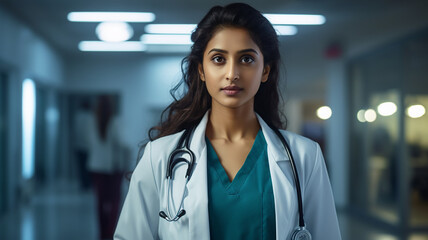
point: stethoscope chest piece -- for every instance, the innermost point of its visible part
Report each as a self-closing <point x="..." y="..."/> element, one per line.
<point x="301" y="233"/>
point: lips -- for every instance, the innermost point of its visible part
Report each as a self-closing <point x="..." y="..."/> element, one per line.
<point x="231" y="90"/>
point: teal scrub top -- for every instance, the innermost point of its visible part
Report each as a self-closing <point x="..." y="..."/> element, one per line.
<point x="243" y="208"/>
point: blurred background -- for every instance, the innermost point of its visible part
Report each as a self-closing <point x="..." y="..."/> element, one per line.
<point x="356" y="82"/>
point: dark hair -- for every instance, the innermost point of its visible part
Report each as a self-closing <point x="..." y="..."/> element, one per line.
<point x="188" y="110"/>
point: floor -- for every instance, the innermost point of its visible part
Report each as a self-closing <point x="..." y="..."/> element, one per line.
<point x="64" y="212"/>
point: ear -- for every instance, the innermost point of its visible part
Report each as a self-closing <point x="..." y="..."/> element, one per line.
<point x="265" y="75"/>
<point x="201" y="72"/>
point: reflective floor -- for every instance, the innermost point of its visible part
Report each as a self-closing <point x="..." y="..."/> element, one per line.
<point x="64" y="212"/>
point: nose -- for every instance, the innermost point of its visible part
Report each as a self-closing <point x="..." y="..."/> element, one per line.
<point x="232" y="73"/>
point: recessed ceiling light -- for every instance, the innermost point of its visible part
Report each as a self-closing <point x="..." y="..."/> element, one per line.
<point x="99" y="46"/>
<point x="170" y="28"/>
<point x="111" y="16"/>
<point x="166" y="39"/>
<point x="152" y="48"/>
<point x="285" y="30"/>
<point x="295" y="19"/>
<point x="114" y="31"/>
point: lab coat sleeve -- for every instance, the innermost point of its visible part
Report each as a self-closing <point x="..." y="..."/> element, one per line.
<point x="319" y="208"/>
<point x="140" y="213"/>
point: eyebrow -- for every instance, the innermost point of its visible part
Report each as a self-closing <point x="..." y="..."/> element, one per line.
<point x="240" y="51"/>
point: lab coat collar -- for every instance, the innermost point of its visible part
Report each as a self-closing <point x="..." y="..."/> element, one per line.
<point x="274" y="144"/>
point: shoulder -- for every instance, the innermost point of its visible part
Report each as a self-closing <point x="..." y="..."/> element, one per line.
<point x="169" y="141"/>
<point x="298" y="141"/>
<point x="152" y="164"/>
<point x="157" y="151"/>
<point x="306" y="153"/>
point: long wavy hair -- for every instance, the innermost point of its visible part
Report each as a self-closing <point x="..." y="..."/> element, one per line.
<point x="188" y="109"/>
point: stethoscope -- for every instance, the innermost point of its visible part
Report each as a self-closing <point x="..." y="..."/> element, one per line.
<point x="300" y="233"/>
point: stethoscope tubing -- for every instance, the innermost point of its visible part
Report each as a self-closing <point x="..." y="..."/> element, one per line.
<point x="184" y="149"/>
<point x="295" y="176"/>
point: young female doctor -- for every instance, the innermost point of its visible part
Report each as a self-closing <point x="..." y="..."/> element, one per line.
<point x="218" y="168"/>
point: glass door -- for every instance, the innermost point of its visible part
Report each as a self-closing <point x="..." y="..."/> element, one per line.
<point x="389" y="136"/>
<point x="416" y="131"/>
<point x="375" y="121"/>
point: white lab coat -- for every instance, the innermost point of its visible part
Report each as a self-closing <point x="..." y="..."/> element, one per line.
<point x="147" y="194"/>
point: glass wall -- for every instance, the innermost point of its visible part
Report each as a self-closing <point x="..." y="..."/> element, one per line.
<point x="389" y="136"/>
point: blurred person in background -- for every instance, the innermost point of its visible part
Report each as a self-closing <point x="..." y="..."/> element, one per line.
<point x="82" y="121"/>
<point x="106" y="164"/>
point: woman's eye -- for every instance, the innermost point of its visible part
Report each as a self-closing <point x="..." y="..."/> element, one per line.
<point x="247" y="59"/>
<point x="217" y="59"/>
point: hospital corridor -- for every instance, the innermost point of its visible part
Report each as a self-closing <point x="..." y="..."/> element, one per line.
<point x="83" y="83"/>
<point x="64" y="212"/>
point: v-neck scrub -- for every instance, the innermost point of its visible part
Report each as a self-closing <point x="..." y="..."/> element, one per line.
<point x="243" y="208"/>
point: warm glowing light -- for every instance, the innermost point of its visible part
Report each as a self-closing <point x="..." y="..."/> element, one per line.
<point x="387" y="108"/>
<point x="295" y="19"/>
<point x="114" y="31"/>
<point x="324" y="112"/>
<point x="360" y="115"/>
<point x="166" y="39"/>
<point x="170" y="28"/>
<point x="370" y="115"/>
<point x="285" y="30"/>
<point x="28" y="127"/>
<point x="99" y="46"/>
<point x="416" y="111"/>
<point x="111" y="17"/>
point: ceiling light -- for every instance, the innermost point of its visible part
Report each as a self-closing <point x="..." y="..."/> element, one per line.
<point x="153" y="48"/>
<point x="170" y="28"/>
<point x="295" y="19"/>
<point x="387" y="108"/>
<point x="111" y="16"/>
<point x="114" y="31"/>
<point x="166" y="39"/>
<point x="285" y="30"/>
<point x="99" y="46"/>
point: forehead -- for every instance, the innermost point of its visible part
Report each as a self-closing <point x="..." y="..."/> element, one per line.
<point x="231" y="39"/>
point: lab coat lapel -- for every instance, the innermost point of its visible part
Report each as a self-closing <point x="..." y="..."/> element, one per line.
<point x="196" y="204"/>
<point x="282" y="182"/>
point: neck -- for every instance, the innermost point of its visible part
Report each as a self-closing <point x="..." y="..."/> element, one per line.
<point x="232" y="124"/>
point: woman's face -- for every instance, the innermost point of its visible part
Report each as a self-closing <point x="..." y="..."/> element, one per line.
<point x="233" y="68"/>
